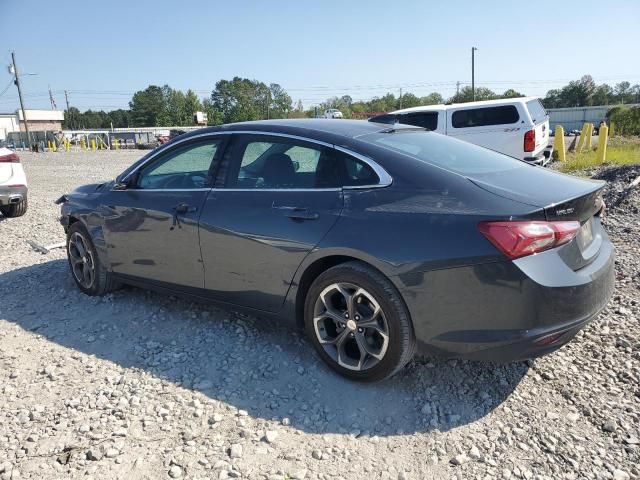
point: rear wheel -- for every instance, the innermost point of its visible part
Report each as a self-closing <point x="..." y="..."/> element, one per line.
<point x="89" y="274"/>
<point x="358" y="322"/>
<point x="15" y="209"/>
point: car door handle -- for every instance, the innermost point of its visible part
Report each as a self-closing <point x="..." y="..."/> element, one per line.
<point x="296" y="213"/>
<point x="184" y="208"/>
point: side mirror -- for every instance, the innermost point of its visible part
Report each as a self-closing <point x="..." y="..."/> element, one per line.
<point x="296" y="165"/>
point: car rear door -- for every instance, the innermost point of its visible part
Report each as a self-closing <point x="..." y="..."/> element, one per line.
<point x="274" y="203"/>
<point x="151" y="226"/>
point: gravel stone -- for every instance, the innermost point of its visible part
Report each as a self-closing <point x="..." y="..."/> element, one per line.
<point x="175" y="471"/>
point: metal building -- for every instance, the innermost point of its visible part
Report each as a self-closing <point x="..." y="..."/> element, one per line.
<point x="573" y="118"/>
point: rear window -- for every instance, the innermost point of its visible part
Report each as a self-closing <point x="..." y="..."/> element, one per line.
<point x="386" y="119"/>
<point x="446" y="152"/>
<point x="481" y="117"/>
<point x="536" y="110"/>
<point x="428" y="120"/>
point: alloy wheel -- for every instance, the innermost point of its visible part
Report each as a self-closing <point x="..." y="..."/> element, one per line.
<point x="351" y="326"/>
<point x="82" y="261"/>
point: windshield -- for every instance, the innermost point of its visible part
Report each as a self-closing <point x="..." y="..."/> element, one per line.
<point x="455" y="155"/>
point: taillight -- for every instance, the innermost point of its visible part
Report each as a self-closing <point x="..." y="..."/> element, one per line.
<point x="530" y="141"/>
<point x="518" y="239"/>
<point x="12" y="157"/>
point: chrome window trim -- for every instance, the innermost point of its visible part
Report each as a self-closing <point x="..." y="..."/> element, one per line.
<point x="333" y="189"/>
<point x="206" y="189"/>
<point x="384" y="179"/>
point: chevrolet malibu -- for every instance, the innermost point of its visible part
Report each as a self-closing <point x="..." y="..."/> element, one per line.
<point x="377" y="240"/>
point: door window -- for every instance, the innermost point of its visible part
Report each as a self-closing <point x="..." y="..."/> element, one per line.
<point x="185" y="168"/>
<point x="284" y="164"/>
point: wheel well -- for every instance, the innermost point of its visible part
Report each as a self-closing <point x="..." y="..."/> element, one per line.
<point x="72" y="220"/>
<point x="310" y="274"/>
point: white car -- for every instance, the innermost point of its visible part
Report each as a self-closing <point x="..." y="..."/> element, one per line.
<point x="13" y="184"/>
<point x="518" y="127"/>
<point x="332" y="113"/>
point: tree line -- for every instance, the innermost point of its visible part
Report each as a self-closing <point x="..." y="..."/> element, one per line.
<point x="242" y="99"/>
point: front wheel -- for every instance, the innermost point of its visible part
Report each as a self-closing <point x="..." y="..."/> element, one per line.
<point x="358" y="322"/>
<point x="88" y="273"/>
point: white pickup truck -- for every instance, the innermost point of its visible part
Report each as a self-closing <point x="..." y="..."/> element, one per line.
<point x="518" y="127"/>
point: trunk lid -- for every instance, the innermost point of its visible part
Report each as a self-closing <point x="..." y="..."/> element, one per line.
<point x="563" y="197"/>
<point x="6" y="171"/>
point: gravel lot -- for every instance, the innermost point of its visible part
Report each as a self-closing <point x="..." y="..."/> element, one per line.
<point x="138" y="385"/>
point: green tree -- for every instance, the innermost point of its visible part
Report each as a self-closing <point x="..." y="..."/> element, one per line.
<point x="240" y="99"/>
<point x="466" y="95"/>
<point x="280" y="102"/>
<point x="408" y="100"/>
<point x="176" y="108"/>
<point x="120" y="118"/>
<point x="148" y="107"/>
<point x="627" y="120"/>
<point x="432" y="99"/>
<point x="511" y="93"/>
<point x="623" y="92"/>
<point x="603" y="95"/>
<point x="192" y="104"/>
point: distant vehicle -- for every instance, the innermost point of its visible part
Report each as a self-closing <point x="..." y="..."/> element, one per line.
<point x="13" y="184"/>
<point x="332" y="113"/>
<point x="378" y="240"/>
<point x="518" y="127"/>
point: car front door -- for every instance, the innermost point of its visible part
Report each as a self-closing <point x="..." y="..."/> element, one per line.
<point x="279" y="199"/>
<point x="151" y="222"/>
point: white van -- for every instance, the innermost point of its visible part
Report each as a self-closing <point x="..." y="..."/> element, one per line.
<point x="518" y="127"/>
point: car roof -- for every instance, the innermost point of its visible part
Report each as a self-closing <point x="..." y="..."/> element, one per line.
<point x="315" y="128"/>
<point x="453" y="106"/>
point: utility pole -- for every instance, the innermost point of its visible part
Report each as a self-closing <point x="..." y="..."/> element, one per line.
<point x="17" y="82"/>
<point x="400" y="99"/>
<point x="51" y="99"/>
<point x="473" y="72"/>
<point x="457" y="88"/>
<point x="66" y="98"/>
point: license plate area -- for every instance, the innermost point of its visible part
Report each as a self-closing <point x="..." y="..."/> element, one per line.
<point x="585" y="235"/>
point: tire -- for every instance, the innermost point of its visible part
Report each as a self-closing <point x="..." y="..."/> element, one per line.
<point x="356" y="347"/>
<point x="100" y="281"/>
<point x="15" y="209"/>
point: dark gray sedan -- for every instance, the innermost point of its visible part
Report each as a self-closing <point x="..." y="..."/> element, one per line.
<point x="375" y="239"/>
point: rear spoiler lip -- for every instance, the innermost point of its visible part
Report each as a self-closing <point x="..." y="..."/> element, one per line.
<point x="566" y="210"/>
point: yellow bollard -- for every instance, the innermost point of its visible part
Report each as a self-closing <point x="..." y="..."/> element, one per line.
<point x="583" y="136"/>
<point x="603" y="137"/>
<point x="83" y="144"/>
<point x="66" y="144"/>
<point x="558" y="143"/>
<point x="93" y="144"/>
<point x="589" y="137"/>
<point x="116" y="144"/>
<point x="611" y="126"/>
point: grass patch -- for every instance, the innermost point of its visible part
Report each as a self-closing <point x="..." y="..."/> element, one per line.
<point x="620" y="151"/>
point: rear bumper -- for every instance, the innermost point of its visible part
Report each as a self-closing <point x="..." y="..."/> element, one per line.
<point x="507" y="311"/>
<point x="9" y="195"/>
<point x="541" y="158"/>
